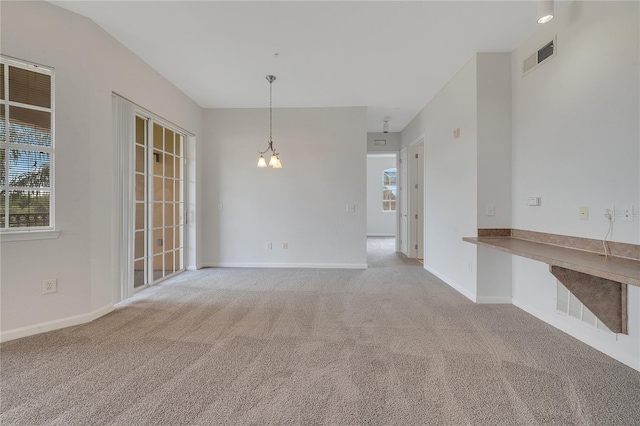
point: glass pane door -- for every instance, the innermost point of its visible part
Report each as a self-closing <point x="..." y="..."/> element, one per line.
<point x="167" y="202"/>
<point x="159" y="224"/>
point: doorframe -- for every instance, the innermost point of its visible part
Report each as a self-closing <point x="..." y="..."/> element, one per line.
<point x="412" y="231"/>
<point x="123" y="188"/>
<point x="397" y="219"/>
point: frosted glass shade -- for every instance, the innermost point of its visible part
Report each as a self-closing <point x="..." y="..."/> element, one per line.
<point x="278" y="165"/>
<point x="262" y="162"/>
<point x="545" y="11"/>
<point x="273" y="160"/>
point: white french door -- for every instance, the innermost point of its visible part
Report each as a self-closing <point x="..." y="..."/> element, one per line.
<point x="159" y="201"/>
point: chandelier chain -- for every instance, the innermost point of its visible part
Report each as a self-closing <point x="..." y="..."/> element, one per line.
<point x="274" y="161"/>
<point x="270" y="110"/>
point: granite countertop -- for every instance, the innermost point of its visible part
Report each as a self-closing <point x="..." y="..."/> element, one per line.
<point x="626" y="271"/>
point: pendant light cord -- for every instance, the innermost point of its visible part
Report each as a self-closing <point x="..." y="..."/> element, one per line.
<point x="270" y="79"/>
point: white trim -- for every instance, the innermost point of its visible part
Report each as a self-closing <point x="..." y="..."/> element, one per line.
<point x="284" y="265"/>
<point x="503" y="300"/>
<point x="466" y="293"/>
<point x="29" y="235"/>
<point x="559" y="321"/>
<point x="417" y="140"/>
<point x="43" y="327"/>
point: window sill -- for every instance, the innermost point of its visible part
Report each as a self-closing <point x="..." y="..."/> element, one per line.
<point x="40" y="234"/>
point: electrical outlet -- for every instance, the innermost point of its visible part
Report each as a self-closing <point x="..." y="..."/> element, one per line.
<point x="625" y="212"/>
<point x="285" y="246"/>
<point x="49" y="286"/>
<point x="269" y="246"/>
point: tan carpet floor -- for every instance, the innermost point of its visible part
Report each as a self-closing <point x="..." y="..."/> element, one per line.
<point x="388" y="345"/>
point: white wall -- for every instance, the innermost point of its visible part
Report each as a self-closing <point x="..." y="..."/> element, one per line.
<point x="576" y="143"/>
<point x="494" y="138"/>
<point x="89" y="66"/>
<point x="379" y="223"/>
<point x="323" y="153"/>
<point x="494" y="171"/>
<point x="393" y="142"/>
<point x="450" y="176"/>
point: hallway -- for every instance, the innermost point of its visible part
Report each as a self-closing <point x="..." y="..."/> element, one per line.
<point x="381" y="253"/>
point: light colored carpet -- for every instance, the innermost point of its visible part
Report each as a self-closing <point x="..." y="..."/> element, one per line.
<point x="387" y="345"/>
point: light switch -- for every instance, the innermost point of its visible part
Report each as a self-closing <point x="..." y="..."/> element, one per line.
<point x="533" y="201"/>
<point x="584" y="213"/>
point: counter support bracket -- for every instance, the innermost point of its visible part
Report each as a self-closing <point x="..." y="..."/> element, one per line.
<point x="607" y="299"/>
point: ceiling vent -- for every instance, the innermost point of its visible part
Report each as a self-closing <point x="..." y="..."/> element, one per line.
<point x="543" y="54"/>
<point x="380" y="142"/>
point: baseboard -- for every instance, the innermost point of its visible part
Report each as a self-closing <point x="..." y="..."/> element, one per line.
<point x="558" y="322"/>
<point x="503" y="300"/>
<point x="43" y="327"/>
<point x="285" y="265"/>
<point x="451" y="283"/>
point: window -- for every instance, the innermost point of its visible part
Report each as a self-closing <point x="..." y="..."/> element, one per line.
<point x="26" y="145"/>
<point x="389" y="190"/>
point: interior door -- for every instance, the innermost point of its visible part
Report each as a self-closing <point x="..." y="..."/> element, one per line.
<point x="404" y="204"/>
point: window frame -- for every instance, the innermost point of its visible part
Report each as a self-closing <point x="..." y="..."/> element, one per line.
<point x="8" y="233"/>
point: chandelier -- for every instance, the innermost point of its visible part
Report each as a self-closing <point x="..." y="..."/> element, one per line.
<point x="274" y="161"/>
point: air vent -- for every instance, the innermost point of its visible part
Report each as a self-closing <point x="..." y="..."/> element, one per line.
<point x="543" y="54"/>
<point x="380" y="142"/>
<point x="568" y="304"/>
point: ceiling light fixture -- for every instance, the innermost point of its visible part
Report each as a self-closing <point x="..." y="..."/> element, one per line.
<point x="545" y="11"/>
<point x="274" y="161"/>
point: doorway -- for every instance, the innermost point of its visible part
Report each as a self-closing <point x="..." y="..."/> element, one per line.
<point x="159" y="202"/>
<point x="382" y="194"/>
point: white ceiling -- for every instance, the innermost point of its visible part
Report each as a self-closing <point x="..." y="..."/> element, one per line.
<point x="391" y="57"/>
